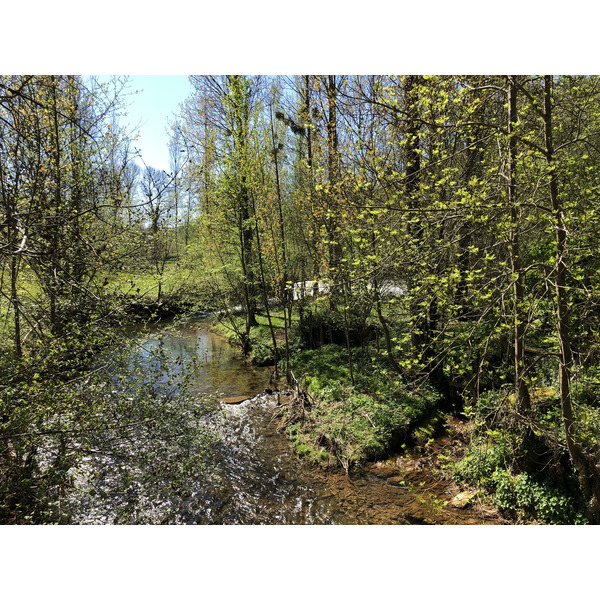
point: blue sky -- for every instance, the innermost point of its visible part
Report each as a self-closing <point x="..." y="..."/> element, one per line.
<point x="155" y="104"/>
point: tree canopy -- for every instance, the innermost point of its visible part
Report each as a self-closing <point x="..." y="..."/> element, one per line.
<point x="445" y="227"/>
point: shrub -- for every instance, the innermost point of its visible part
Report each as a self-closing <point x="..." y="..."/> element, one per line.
<point x="480" y="462"/>
<point x="263" y="354"/>
<point x="529" y="496"/>
<point x="486" y="464"/>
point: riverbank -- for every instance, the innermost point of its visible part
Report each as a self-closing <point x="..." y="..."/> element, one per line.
<point x="354" y="408"/>
<point x="414" y="485"/>
<point x="421" y="451"/>
<point x="411" y="485"/>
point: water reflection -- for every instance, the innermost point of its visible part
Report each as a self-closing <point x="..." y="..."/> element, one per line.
<point x="218" y="369"/>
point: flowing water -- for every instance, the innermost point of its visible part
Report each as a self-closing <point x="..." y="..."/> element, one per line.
<point x="256" y="476"/>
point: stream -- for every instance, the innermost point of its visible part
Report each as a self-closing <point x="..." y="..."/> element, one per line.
<point x="255" y="476"/>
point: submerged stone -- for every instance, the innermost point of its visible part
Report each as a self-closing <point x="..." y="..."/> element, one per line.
<point x="234" y="399"/>
<point x="461" y="500"/>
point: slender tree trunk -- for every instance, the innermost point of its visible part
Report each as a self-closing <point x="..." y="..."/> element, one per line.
<point x="332" y="134"/>
<point x="247" y="267"/>
<point x="265" y="295"/>
<point x="588" y="472"/>
<point x="54" y="250"/>
<point x="241" y="121"/>
<point x="250" y="307"/>
<point x="308" y="131"/>
<point x="284" y="275"/>
<point x="332" y="186"/>
<point x="206" y="162"/>
<point x="14" y="299"/>
<point x="413" y="168"/>
<point x="332" y="176"/>
<point x="187" y="220"/>
<point x="348" y="347"/>
<point x="76" y="196"/>
<point x="309" y="164"/>
<point x="388" y="341"/>
<point x="524" y="402"/>
<point x="12" y="234"/>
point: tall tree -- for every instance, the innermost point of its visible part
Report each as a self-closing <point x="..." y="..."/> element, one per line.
<point x="588" y="471"/>
<point x="228" y="105"/>
<point x="515" y="251"/>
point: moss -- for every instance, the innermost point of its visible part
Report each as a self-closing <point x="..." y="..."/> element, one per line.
<point x="354" y="423"/>
<point x="302" y="450"/>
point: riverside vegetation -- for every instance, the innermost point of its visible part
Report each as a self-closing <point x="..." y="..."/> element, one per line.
<point x="399" y="249"/>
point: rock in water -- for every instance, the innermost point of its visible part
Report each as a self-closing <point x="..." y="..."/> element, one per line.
<point x="461" y="500"/>
<point x="395" y="480"/>
<point x="234" y="399"/>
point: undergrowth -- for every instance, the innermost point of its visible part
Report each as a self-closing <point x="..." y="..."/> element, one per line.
<point x="348" y="422"/>
<point x="497" y="461"/>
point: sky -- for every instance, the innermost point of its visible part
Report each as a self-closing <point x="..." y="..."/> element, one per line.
<point x="151" y="108"/>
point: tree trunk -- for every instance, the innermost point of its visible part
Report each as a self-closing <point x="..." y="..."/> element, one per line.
<point x="14" y="298"/>
<point x="53" y="253"/>
<point x="246" y="254"/>
<point x="284" y="276"/>
<point x="332" y="177"/>
<point x="388" y="340"/>
<point x="413" y="167"/>
<point x="587" y="471"/>
<point x="524" y="402"/>
<point x="265" y="295"/>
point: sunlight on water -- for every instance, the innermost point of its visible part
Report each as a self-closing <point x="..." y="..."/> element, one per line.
<point x="254" y="477"/>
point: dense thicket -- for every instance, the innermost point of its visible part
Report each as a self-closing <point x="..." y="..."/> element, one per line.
<point x="451" y="218"/>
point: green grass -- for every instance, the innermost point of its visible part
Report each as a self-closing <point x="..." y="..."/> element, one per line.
<point x="146" y="280"/>
<point x="359" y="422"/>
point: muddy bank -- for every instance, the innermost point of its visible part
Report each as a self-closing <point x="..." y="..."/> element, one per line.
<point x="408" y="488"/>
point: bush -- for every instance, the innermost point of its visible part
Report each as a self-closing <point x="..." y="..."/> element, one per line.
<point x="263" y="354"/>
<point x="480" y="462"/>
<point x="528" y="496"/>
<point x="486" y="464"/>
